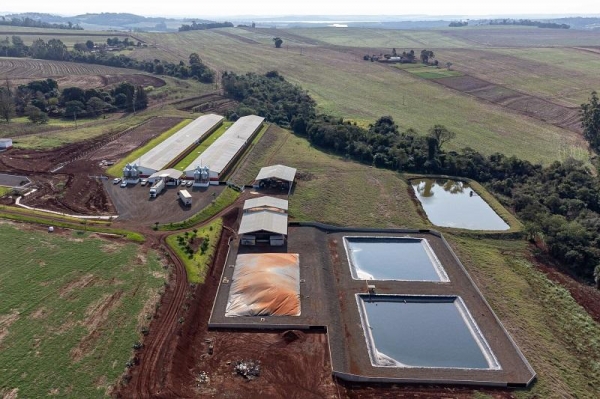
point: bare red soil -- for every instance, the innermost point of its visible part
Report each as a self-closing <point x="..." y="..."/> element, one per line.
<point x="73" y="188"/>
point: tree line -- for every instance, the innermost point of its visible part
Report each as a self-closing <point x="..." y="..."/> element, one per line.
<point x="558" y="204"/>
<point x="56" y="50"/>
<point x="205" y="26"/>
<point x="528" y="22"/>
<point x="41" y="100"/>
<point x="35" y="23"/>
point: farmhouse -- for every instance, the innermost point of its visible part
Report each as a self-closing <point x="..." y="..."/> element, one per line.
<point x="5" y="144"/>
<point x="221" y="154"/>
<point x="265" y="226"/>
<point x="276" y="176"/>
<point x="176" y="147"/>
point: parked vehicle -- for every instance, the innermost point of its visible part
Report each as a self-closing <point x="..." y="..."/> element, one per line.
<point x="185" y="197"/>
<point x="143" y="182"/>
<point x="116" y="180"/>
<point x="157" y="188"/>
<point x="190" y="183"/>
<point x="123" y="183"/>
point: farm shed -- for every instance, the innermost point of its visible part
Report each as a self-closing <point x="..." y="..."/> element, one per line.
<point x="263" y="227"/>
<point x="276" y="176"/>
<point x="266" y="284"/>
<point x="222" y="154"/>
<point x="174" y="148"/>
<point x="266" y="203"/>
<point x="6" y="144"/>
<point x="172" y="176"/>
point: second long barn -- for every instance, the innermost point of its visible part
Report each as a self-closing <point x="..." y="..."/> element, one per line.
<point x="221" y="155"/>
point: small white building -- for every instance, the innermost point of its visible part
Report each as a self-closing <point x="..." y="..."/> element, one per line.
<point x="6" y="144"/>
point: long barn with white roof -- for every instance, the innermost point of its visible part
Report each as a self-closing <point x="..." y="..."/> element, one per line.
<point x="221" y="154"/>
<point x="174" y="148"/>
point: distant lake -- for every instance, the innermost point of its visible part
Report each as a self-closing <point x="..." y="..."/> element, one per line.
<point x="453" y="203"/>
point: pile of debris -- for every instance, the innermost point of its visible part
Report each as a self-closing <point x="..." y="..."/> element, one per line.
<point x="202" y="378"/>
<point x="249" y="369"/>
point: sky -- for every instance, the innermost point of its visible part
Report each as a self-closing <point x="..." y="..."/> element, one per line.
<point x="191" y="8"/>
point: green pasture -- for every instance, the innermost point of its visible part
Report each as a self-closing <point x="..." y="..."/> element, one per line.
<point x="331" y="77"/>
<point x="71" y="310"/>
<point x="557" y="336"/>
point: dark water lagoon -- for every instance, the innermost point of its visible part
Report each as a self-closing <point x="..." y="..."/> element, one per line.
<point x="406" y="331"/>
<point x="393" y="258"/>
<point x="453" y="203"/>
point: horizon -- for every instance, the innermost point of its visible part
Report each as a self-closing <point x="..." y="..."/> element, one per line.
<point x="273" y="9"/>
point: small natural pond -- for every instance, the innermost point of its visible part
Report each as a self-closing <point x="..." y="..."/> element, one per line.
<point x="423" y="331"/>
<point x="393" y="258"/>
<point x="453" y="203"/>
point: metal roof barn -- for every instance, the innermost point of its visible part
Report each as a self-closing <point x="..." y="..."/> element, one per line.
<point x="266" y="284"/>
<point x="272" y="222"/>
<point x="280" y="172"/>
<point x="163" y="154"/>
<point x="224" y="150"/>
<point x="260" y="203"/>
<point x="167" y="173"/>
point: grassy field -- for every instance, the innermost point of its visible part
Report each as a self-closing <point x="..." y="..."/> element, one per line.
<point x="427" y="72"/>
<point x="71" y="310"/>
<point x="84" y="131"/>
<point x="117" y="169"/>
<point x="556" y="335"/>
<point x="382" y="38"/>
<point x="197" y="264"/>
<point x="191" y="157"/>
<point x="331" y="189"/>
<point x="330" y="76"/>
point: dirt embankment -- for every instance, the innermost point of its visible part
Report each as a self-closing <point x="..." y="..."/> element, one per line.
<point x="74" y="188"/>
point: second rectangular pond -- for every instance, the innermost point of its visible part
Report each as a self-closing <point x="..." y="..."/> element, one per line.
<point x="423" y="331"/>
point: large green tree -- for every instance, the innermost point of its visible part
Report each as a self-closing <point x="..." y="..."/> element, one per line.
<point x="7" y="104"/>
<point x="590" y="121"/>
<point x="441" y="134"/>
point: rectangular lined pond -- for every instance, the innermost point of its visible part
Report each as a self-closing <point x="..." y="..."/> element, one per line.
<point x="453" y="203"/>
<point x="393" y="258"/>
<point x="423" y="331"/>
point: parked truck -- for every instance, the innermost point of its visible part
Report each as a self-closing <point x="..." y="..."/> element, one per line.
<point x="185" y="197"/>
<point x="157" y="188"/>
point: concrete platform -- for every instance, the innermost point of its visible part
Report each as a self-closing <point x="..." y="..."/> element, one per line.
<point x="328" y="300"/>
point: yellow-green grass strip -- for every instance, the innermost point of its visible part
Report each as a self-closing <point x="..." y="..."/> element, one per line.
<point x="130" y="235"/>
<point x="117" y="169"/>
<point x="225" y="199"/>
<point x="197" y="264"/>
<point x="187" y="161"/>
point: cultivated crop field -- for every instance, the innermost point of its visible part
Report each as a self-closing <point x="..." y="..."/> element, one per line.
<point x="71" y="310"/>
<point x="14" y="68"/>
<point x="342" y="83"/>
